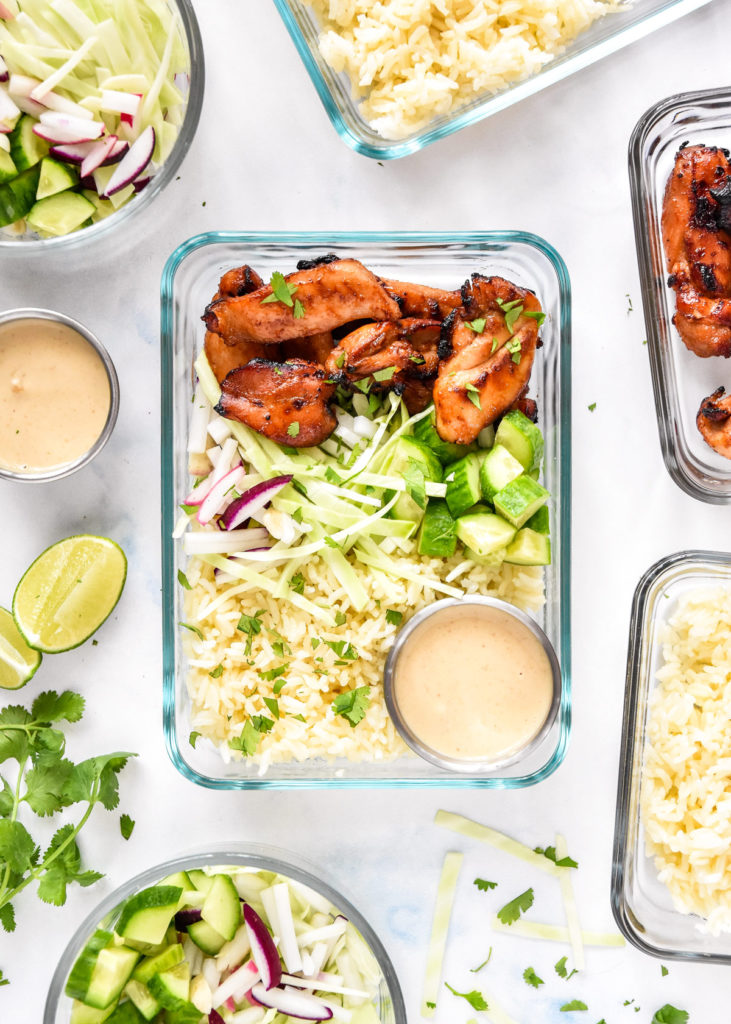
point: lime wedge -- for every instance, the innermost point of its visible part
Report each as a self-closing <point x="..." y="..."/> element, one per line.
<point x="68" y="592"/>
<point x="18" y="661"/>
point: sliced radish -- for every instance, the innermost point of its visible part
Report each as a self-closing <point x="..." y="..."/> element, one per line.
<point x="215" y="497"/>
<point x="133" y="164"/>
<point x="295" y="1004"/>
<point x="140" y="183"/>
<point x="264" y="953"/>
<point x="20" y="87"/>
<point x="98" y="154"/>
<point x="4" y="73"/>
<point x="73" y="152"/>
<point x="253" y="501"/>
<point x="9" y="111"/>
<point x="125" y="103"/>
<point x="8" y="9"/>
<point x="63" y="128"/>
<point x="118" y="150"/>
<point x="63" y="106"/>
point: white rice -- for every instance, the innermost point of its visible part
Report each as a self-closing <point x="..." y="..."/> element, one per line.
<point x="410" y="61"/>
<point x="220" y="706"/>
<point x="686" y="789"/>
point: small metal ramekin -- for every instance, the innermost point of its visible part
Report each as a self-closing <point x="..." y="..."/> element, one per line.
<point x="435" y="757"/>
<point x="67" y="468"/>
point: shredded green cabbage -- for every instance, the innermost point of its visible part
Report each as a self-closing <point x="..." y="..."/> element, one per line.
<point x="440" y="929"/>
<point x="473" y="830"/>
<point x="569" y="902"/>
<point x="555" y="933"/>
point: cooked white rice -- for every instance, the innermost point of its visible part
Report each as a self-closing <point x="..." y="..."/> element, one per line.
<point x="686" y="790"/>
<point x="410" y="61"/>
<point x="220" y="706"/>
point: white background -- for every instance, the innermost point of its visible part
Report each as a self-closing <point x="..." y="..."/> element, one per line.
<point x="265" y="157"/>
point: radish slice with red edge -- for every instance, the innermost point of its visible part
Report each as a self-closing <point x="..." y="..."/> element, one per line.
<point x="185" y="917"/>
<point x="73" y="152"/>
<point x="9" y="111"/>
<point x="294" y="1004"/>
<point x="215" y="497"/>
<point x="55" y="127"/>
<point x="4" y="73"/>
<point x="214" y="1017"/>
<point x="97" y="155"/>
<point x="253" y="501"/>
<point x="264" y="953"/>
<point x="133" y="164"/>
<point x="117" y="151"/>
<point x="63" y="106"/>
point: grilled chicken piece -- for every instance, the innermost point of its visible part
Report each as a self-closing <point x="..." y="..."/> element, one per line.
<point x="223" y="358"/>
<point x="714" y="422"/>
<point x="315" y="349"/>
<point x="331" y="294"/>
<point x="421" y="301"/>
<point x="408" y="345"/>
<point x="239" y="281"/>
<point x="696" y="226"/>
<point x="286" y="402"/>
<point x="483" y="374"/>
<point x="528" y="406"/>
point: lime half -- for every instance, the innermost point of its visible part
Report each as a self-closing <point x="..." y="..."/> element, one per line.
<point x="18" y="661"/>
<point x="68" y="592"/>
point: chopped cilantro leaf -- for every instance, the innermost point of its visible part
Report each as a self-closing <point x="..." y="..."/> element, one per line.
<point x="510" y="913"/>
<point x="561" y="969"/>
<point x="668" y="1014"/>
<point x="592" y="407"/>
<point x="340" y="618"/>
<point x="331" y="543"/>
<point x="385" y="374"/>
<point x="394" y="617"/>
<point x="332" y="477"/>
<point x="664" y="971"/>
<point x="281" y="291"/>
<point x="362" y="385"/>
<point x="531" y="978"/>
<point x="432" y="1006"/>
<point x="273" y="673"/>
<point x="478" y="326"/>
<point x="575" y="1004"/>
<point x="353" y="704"/>
<point x="300" y="718"/>
<point x="293" y="429"/>
<point x="415" y="482"/>
<point x="476" y="999"/>
<point x="299" y="310"/>
<point x="273" y="706"/>
<point x="279" y="686"/>
<point x="340" y="360"/>
<point x="251" y="626"/>
<point x="281" y="648"/>
<point x="193" y="738"/>
<point x="417" y="359"/>
<point x="483" y="885"/>
<point x="193" y="629"/>
<point x="217" y="672"/>
<point x="183" y="580"/>
<point x="493" y="347"/>
<point x="550" y="853"/>
<point x="343" y="649"/>
<point x="297" y="583"/>
<point x="126" y="826"/>
<point x="297" y="515"/>
<point x="474" y="395"/>
<point x="538" y="315"/>
<point x="515" y="349"/>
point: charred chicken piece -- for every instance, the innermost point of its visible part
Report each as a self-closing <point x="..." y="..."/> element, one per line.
<point x="419" y="300"/>
<point x="286" y="402"/>
<point x="330" y="294"/>
<point x="409" y="347"/>
<point x="486" y="366"/>
<point x="314" y="349"/>
<point x="696" y="218"/>
<point x="714" y="421"/>
<point x="223" y="358"/>
<point x="239" y="281"/>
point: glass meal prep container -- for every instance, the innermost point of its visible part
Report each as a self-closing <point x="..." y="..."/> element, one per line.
<point x="189" y="281"/>
<point x="603" y="37"/>
<point x="680" y="379"/>
<point x="641" y="903"/>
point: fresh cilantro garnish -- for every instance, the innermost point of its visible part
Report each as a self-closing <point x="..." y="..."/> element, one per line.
<point x="473" y="394"/>
<point x="332" y="543"/>
<point x="193" y="739"/>
<point x="279" y="686"/>
<point x="251" y="626"/>
<point x="217" y="672"/>
<point x="273" y="706"/>
<point x="394" y="617"/>
<point x="315" y="642"/>
<point x="531" y="978"/>
<point x="415" y="482"/>
<point x="538" y="315"/>
<point x="432" y="1006"/>
<point x="193" y="629"/>
<point x="483" y="885"/>
<point x="550" y="852"/>
<point x="493" y="347"/>
<point x="46" y="782"/>
<point x="664" y="971"/>
<point x="273" y="673"/>
<point x="340" y="618"/>
<point x="515" y="349"/>
<point x="475" y="970"/>
<point x="332" y="477"/>
<point x="293" y="429"/>
<point x="629" y="302"/>
<point x="476" y="999"/>
<point x="385" y="374"/>
<point x="183" y="580"/>
<point x="248" y="741"/>
<point x="374" y="399"/>
<point x="575" y="1004"/>
<point x="299" y="718"/>
<point x="281" y="648"/>
<point x="591" y="407"/>
<point x="510" y="913"/>
<point x="189" y="509"/>
<point x="353" y="704"/>
<point x="281" y="291"/>
<point x="419" y="360"/>
<point x="340" y="360"/>
<point x="298" y="486"/>
<point x="561" y="969"/>
<point x="343" y="648"/>
<point x="668" y="1014"/>
<point x="478" y="326"/>
<point x="362" y="385"/>
<point x="126" y="826"/>
<point x="299" y="310"/>
<point x="3" y="980"/>
<point x="297" y="583"/>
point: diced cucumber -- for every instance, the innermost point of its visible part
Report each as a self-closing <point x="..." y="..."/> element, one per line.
<point x="486" y="437"/>
<point x="8" y="169"/>
<point x="152" y="965"/>
<point x="17" y="196"/>
<point x="529" y="547"/>
<point x="484" y="532"/>
<point x="520" y="499"/>
<point x="222" y="908"/>
<point x="463" y="489"/>
<point x="60" y="214"/>
<point x="55" y="177"/>
<point x="188" y="1014"/>
<point x="200" y="879"/>
<point x="26" y="148"/>
<point x="83" y="1014"/>
<point x="426" y="431"/>
<point x="206" y="938"/>
<point x="438" y="533"/>
<point x="498" y="468"/>
<point x="539" y="521"/>
<point x="126" y="1013"/>
<point x="409" y="452"/>
<point x="146" y="915"/>
<point x="112" y="971"/>
<point x="495" y="558"/>
<point x="80" y="975"/>
<point x="172" y="988"/>
<point x="522" y="438"/>
<point x="181" y="879"/>
<point x="143" y="999"/>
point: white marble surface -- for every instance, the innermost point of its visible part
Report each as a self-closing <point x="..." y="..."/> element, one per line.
<point x="265" y="157"/>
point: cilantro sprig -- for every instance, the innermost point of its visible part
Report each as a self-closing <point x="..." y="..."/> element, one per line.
<point x="669" y="1014"/>
<point x="353" y="704"/>
<point x="46" y="782"/>
<point x="284" y="292"/>
<point x="510" y="913"/>
<point x="476" y="999"/>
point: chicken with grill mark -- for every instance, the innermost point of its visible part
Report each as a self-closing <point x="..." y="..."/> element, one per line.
<point x="419" y="300"/>
<point x="408" y="347"/>
<point x="714" y="421"/>
<point x="286" y="402"/>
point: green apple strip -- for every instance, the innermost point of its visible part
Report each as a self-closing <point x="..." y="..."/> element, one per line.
<point x="555" y="933"/>
<point x="484" y="834"/>
<point x="569" y="903"/>
<point x="440" y="928"/>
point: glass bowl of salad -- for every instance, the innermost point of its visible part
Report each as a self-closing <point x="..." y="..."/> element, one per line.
<point x="240" y="934"/>
<point x="94" y="128"/>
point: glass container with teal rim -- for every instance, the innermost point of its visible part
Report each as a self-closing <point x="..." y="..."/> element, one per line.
<point x="632" y="22"/>
<point x="189" y="281"/>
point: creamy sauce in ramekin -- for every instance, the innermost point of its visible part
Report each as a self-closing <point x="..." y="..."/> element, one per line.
<point x="54" y="395"/>
<point x="473" y="682"/>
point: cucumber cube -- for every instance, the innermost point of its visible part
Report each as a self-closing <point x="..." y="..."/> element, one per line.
<point x="55" y="177"/>
<point x="81" y="973"/>
<point x="407" y="452"/>
<point x="496" y="558"/>
<point x="463" y="489"/>
<point x="438" y="534"/>
<point x="146" y="915"/>
<point x="539" y="521"/>
<point x="112" y="971"/>
<point x="152" y="965"/>
<point x="200" y="880"/>
<point x="60" y="214"/>
<point x="126" y="1013"/>
<point x="522" y="438"/>
<point x="83" y="1014"/>
<point x="447" y="452"/>
<point x="18" y="195"/>
<point x="222" y="908"/>
<point x="206" y="938"/>
<point x="498" y="468"/>
<point x="8" y="169"/>
<point x="484" y="532"/>
<point x="172" y="988"/>
<point x="142" y="998"/>
<point x="529" y="547"/>
<point x="26" y="148"/>
<point x="518" y="501"/>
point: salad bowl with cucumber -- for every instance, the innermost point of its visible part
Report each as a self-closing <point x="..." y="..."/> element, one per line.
<point x="98" y="105"/>
<point x="235" y="936"/>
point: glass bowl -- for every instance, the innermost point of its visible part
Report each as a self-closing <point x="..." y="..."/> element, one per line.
<point x="390" y="1004"/>
<point x="168" y="170"/>
<point x="602" y="38"/>
<point x="189" y="279"/>
<point x="680" y="379"/>
<point x="641" y="904"/>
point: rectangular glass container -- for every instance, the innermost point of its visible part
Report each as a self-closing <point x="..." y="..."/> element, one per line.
<point x="189" y="281"/>
<point x="641" y="904"/>
<point x="681" y="380"/>
<point x="603" y="37"/>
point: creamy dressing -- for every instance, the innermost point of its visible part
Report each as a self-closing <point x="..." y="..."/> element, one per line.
<point x="473" y="682"/>
<point x="54" y="395"/>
